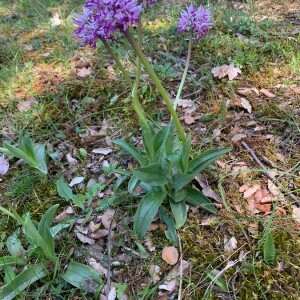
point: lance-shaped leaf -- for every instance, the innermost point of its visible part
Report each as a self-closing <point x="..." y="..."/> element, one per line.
<point x="81" y="276"/>
<point x="179" y="212"/>
<point x="45" y="227"/>
<point x="147" y="209"/>
<point x="11" y="261"/>
<point x="205" y="159"/>
<point x="269" y="249"/>
<point x="170" y="222"/>
<point x="152" y="174"/>
<point x="196" y="198"/>
<point x="181" y="180"/>
<point x="22" y="281"/>
<point x="134" y="152"/>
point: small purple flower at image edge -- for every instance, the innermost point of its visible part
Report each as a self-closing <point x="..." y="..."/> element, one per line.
<point x="4" y="165"/>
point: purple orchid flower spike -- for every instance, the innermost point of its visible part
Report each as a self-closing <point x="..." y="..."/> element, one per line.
<point x="195" y="20"/>
<point x="4" y="165"/>
<point x="101" y="19"/>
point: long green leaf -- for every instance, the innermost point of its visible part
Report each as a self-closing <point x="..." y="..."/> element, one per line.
<point x="205" y="159"/>
<point x="45" y="227"/>
<point x="22" y="281"/>
<point x="147" y="209"/>
<point x="40" y="157"/>
<point x="181" y="180"/>
<point x="13" y="151"/>
<point x="81" y="276"/>
<point x="26" y="145"/>
<point x="186" y="149"/>
<point x="132" y="184"/>
<point x="170" y="222"/>
<point x="196" y="198"/>
<point x="269" y="249"/>
<point x="179" y="212"/>
<point x="159" y="139"/>
<point x="36" y="238"/>
<point x="135" y="153"/>
<point x="147" y="135"/>
<point x="12" y="260"/>
<point x="152" y="174"/>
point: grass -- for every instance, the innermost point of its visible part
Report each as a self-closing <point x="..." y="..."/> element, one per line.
<point x="37" y="61"/>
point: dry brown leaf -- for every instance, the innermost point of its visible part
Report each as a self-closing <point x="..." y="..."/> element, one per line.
<point x="170" y="255"/>
<point x="107" y="219"/>
<point x="243" y="103"/>
<point x="149" y="243"/>
<point x="76" y="180"/>
<point x="84" y="239"/>
<point x="72" y="161"/>
<point x="103" y="151"/>
<point x="184" y="103"/>
<point x="238" y="137"/>
<point x="155" y="272"/>
<point x="230" y="244"/>
<point x="267" y="93"/>
<point x="274" y="190"/>
<point x="258" y="196"/>
<point x="231" y="71"/>
<point x="244" y="188"/>
<point x="188" y="119"/>
<point x="83" y="72"/>
<point x="93" y="227"/>
<point x="208" y="192"/>
<point x="97" y="267"/>
<point x="296" y="213"/>
<point x="250" y="191"/>
<point x="25" y="105"/>
<point x="67" y="212"/>
<point x="98" y="234"/>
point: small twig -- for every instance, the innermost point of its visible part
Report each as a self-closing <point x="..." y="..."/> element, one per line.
<point x="256" y="159"/>
<point x="275" y="181"/>
<point x="108" y="276"/>
<point x="180" y="270"/>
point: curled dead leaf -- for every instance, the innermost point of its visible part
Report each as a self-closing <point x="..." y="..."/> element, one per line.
<point x="84" y="239"/>
<point x="258" y="196"/>
<point x="107" y="219"/>
<point x="231" y="71"/>
<point x="267" y="93"/>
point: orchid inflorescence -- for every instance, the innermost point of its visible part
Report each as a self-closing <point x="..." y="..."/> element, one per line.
<point x="195" y="20"/>
<point x="102" y="18"/>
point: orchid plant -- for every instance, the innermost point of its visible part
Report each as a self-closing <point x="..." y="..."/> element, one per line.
<point x="165" y="171"/>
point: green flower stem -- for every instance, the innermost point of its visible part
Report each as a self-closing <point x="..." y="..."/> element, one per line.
<point x="120" y="66"/>
<point x="135" y="100"/>
<point x="187" y="64"/>
<point x="14" y="212"/>
<point x="157" y="83"/>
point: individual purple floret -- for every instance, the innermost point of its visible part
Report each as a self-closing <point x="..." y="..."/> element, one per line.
<point x="4" y="165"/>
<point x="195" y="20"/>
<point x="102" y="18"/>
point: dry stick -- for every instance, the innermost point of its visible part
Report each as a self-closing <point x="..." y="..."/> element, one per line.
<point x="253" y="155"/>
<point x="108" y="275"/>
